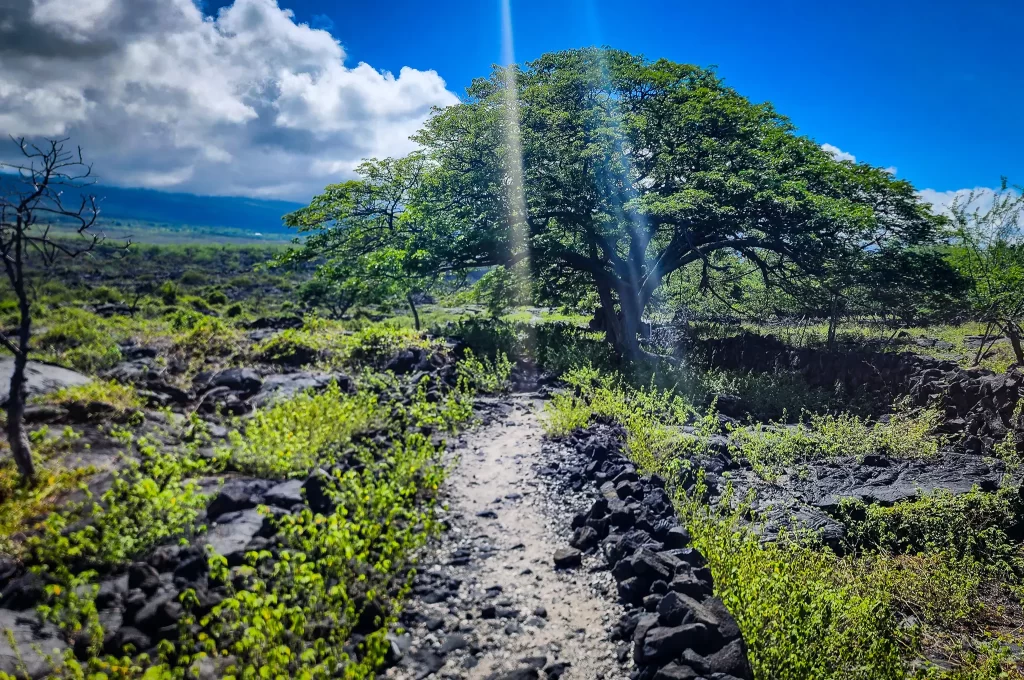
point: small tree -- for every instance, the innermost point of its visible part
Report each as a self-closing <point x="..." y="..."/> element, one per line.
<point x="500" y="289"/>
<point x="367" y="240"/>
<point x="989" y="251"/>
<point x="32" y="201"/>
<point x="335" y="296"/>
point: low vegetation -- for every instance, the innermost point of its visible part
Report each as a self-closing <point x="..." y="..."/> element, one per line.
<point x="411" y="291"/>
<point x="915" y="579"/>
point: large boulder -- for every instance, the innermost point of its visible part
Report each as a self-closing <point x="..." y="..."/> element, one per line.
<point x="233" y="533"/>
<point x="37" y="647"/>
<point x="40" y="378"/>
<point x="286" y="385"/>
<point x="243" y="380"/>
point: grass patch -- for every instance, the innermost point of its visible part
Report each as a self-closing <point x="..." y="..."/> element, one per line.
<point x="21" y="507"/>
<point x="333" y="344"/>
<point x="98" y="397"/>
<point x="976" y="525"/>
<point x="293" y="437"/>
<point x="773" y="447"/>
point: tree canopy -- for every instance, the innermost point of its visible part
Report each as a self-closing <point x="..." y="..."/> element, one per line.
<point x="607" y="171"/>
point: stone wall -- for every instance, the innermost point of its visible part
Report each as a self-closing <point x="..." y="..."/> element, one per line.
<point x="978" y="404"/>
<point x="678" y="628"/>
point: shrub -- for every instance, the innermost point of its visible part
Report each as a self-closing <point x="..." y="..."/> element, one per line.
<point x="332" y="568"/>
<point x="197" y="336"/>
<point x="80" y="340"/>
<point x="771" y="448"/>
<point x="195" y="303"/>
<point x="193" y="277"/>
<point x="97" y="397"/>
<point x="488" y="337"/>
<point x="21" y="504"/>
<point x="106" y="294"/>
<point x="979" y="525"/>
<point x="291" y="347"/>
<point x="380" y="341"/>
<point x="233" y="311"/>
<point x="217" y="297"/>
<point x="484" y="375"/>
<point x="800" y="614"/>
<point x="293" y="437"/>
<point x="168" y="293"/>
<point x="148" y="502"/>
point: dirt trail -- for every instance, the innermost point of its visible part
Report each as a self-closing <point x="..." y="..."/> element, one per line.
<point x="490" y="603"/>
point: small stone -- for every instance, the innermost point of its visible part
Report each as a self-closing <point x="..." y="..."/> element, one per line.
<point x="453" y="643"/>
<point x="556" y="669"/>
<point x="567" y="558"/>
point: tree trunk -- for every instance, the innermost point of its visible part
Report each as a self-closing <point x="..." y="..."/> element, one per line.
<point x="631" y="319"/>
<point x="981" y="345"/>
<point x="833" y="323"/>
<point x="612" y="327"/>
<point x="415" y="313"/>
<point x="16" y="433"/>
<point x="1012" y="331"/>
<point x="17" y="437"/>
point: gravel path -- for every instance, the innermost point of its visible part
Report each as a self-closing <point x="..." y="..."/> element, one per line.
<point x="489" y="602"/>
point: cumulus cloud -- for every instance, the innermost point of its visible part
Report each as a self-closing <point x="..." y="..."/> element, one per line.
<point x="838" y="153"/>
<point x="978" y="198"/>
<point x="247" y="102"/>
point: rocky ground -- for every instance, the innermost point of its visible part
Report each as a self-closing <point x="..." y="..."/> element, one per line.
<point x="490" y="601"/>
<point x="560" y="561"/>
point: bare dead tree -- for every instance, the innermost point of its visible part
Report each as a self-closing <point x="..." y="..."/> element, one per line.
<point x="32" y="202"/>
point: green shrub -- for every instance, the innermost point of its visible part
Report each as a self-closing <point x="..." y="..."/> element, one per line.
<point x="80" y="340"/>
<point x="773" y="447"/>
<point x="800" y="614"/>
<point x="197" y="336"/>
<point x="804" y="611"/>
<point x="217" y="298"/>
<point x="332" y="568"/>
<point x="380" y="341"/>
<point x="978" y="525"/>
<point x="233" y="311"/>
<point x="195" y="303"/>
<point x="193" y="277"/>
<point x="149" y="501"/>
<point x="652" y="417"/>
<point x="484" y="375"/>
<point x="293" y="347"/>
<point x="293" y="437"/>
<point x="168" y="293"/>
<point x="106" y="294"/>
<point x="110" y="397"/>
<point x="22" y="505"/>
<point x="488" y="337"/>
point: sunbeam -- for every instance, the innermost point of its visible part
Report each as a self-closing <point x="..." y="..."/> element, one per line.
<point x="519" y="245"/>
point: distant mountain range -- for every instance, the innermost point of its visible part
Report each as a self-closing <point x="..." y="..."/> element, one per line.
<point x="249" y="215"/>
<point x="146" y="205"/>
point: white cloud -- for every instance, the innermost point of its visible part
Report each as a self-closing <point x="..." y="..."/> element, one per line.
<point x="941" y="201"/>
<point x="838" y="153"/>
<point x="245" y="103"/>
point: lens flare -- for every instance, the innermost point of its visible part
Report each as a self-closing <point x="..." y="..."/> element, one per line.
<point x="519" y="245"/>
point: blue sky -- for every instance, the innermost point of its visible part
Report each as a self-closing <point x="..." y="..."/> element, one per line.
<point x="935" y="89"/>
<point x="278" y="98"/>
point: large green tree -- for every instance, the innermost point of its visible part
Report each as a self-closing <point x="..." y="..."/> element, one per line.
<point x="602" y="167"/>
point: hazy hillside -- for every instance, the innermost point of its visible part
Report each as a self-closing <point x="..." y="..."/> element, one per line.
<point x="159" y="207"/>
